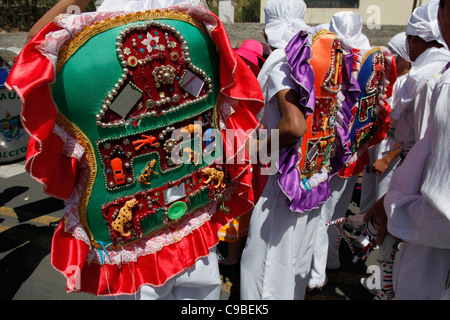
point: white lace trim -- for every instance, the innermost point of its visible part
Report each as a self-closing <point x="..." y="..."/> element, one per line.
<point x="71" y="146"/>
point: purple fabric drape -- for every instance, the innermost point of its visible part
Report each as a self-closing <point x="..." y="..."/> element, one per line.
<point x="299" y="53"/>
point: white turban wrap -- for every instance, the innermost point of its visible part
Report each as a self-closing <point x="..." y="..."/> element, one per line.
<point x="284" y="19"/>
<point x="347" y="26"/>
<point x="398" y="44"/>
<point x="423" y="23"/>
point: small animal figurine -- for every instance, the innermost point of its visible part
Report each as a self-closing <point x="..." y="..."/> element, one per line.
<point x="145" y="176"/>
<point x="125" y="215"/>
<point x="214" y="175"/>
<point x="194" y="128"/>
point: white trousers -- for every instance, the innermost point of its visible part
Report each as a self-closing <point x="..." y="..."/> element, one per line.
<point x="373" y="186"/>
<point x="277" y="257"/>
<point x="200" y="282"/>
<point x="326" y="252"/>
<point x="421" y="273"/>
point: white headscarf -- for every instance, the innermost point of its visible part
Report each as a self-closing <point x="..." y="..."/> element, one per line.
<point x="284" y="19"/>
<point x="347" y="26"/>
<point x="423" y="23"/>
<point x="398" y="44"/>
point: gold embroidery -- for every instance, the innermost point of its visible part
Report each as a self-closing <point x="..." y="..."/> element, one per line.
<point x="369" y="53"/>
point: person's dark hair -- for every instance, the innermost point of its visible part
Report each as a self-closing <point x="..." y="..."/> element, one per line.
<point x="442" y="3"/>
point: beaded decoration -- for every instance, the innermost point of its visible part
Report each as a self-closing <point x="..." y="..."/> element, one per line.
<point x="156" y="63"/>
<point x="203" y="186"/>
<point x="377" y="78"/>
<point x="158" y="78"/>
<point x="117" y="154"/>
<point x="367" y="120"/>
<point x="150" y="118"/>
<point x="200" y="187"/>
<point x="333" y="79"/>
<point x="318" y="142"/>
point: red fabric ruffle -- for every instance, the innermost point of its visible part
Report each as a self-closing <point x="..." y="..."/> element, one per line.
<point x="235" y="80"/>
<point x="31" y="77"/>
<point x="69" y="257"/>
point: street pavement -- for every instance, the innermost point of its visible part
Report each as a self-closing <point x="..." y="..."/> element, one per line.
<point x="26" y="218"/>
<point x="27" y="223"/>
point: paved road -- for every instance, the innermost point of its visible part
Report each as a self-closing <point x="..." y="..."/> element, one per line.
<point x="342" y="284"/>
<point x="26" y="218"/>
<point x="25" y="239"/>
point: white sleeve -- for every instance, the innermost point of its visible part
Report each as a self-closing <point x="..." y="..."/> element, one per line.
<point x="280" y="79"/>
<point x="418" y="201"/>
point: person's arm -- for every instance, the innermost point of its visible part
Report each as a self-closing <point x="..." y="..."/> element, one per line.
<point x="380" y="165"/>
<point x="378" y="213"/>
<point x="292" y="125"/>
<point x="57" y="9"/>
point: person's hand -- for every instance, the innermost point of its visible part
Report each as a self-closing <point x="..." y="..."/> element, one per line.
<point x="379" y="166"/>
<point x="378" y="213"/>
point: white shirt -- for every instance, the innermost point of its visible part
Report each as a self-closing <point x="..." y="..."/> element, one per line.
<point x="415" y="95"/>
<point x="418" y="202"/>
<point x="418" y="208"/>
<point x="275" y="75"/>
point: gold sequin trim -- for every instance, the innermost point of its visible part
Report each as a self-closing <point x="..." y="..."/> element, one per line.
<point x="367" y="55"/>
<point x="321" y="33"/>
<point x="91" y="173"/>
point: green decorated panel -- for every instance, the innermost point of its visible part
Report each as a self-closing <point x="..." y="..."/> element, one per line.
<point x="143" y="95"/>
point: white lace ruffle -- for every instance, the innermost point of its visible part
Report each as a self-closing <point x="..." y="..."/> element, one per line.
<point x="71" y="146"/>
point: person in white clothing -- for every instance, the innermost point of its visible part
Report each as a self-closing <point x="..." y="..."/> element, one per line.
<point x="411" y="103"/>
<point x="347" y="25"/>
<point x="429" y="53"/>
<point x="416" y="209"/>
<point x="386" y="155"/>
<point x="275" y="260"/>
